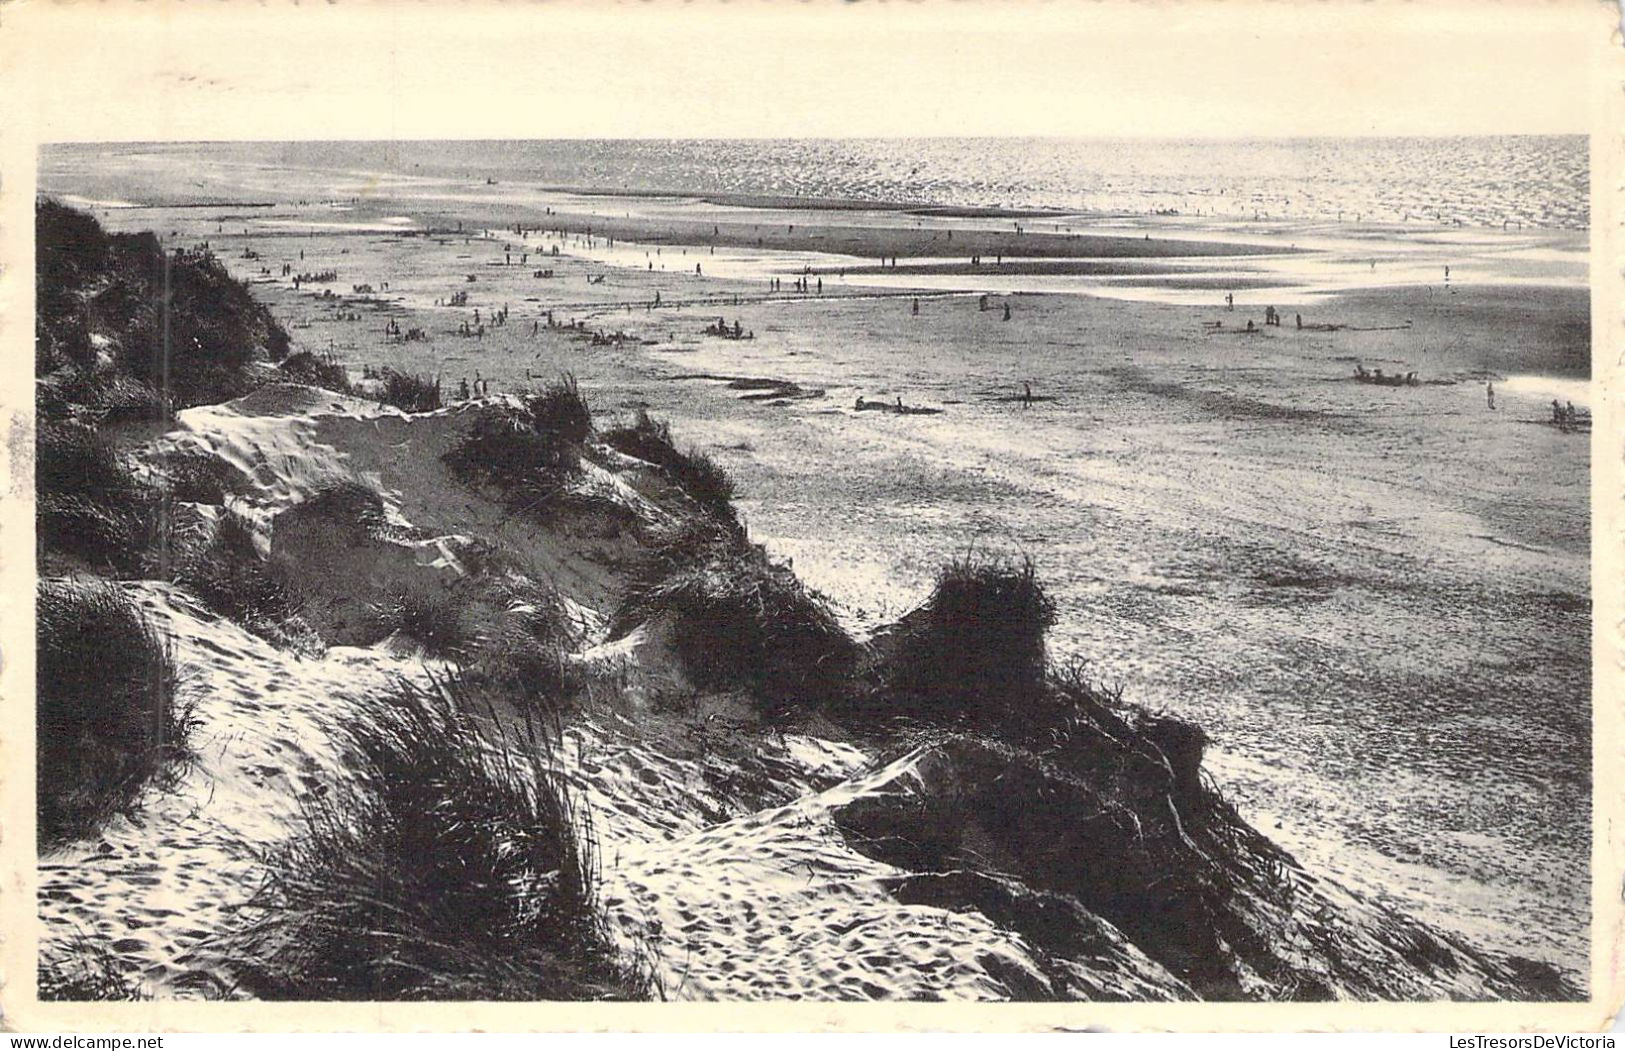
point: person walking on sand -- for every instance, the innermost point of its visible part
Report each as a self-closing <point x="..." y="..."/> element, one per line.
<point x="1230" y="301"/>
<point x="1007" y="312"/>
<point x="1489" y="394"/>
<point x="1299" y="318"/>
<point x="916" y="309"/>
<point x="1027" y="396"/>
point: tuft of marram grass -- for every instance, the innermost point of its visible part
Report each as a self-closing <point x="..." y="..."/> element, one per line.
<point x="524" y="653"/>
<point x="737" y="619"/>
<point x="198" y="476"/>
<point x="107" y="718"/>
<point x="83" y="970"/>
<point x="230" y="578"/>
<point x="559" y="409"/>
<point x="531" y="452"/>
<point x="452" y="866"/>
<point x="695" y="472"/>
<point x="353" y="509"/>
<point x="409" y="392"/>
<point x="91" y="505"/>
<point x="327" y="373"/>
<point x="976" y="647"/>
<point x="434" y="618"/>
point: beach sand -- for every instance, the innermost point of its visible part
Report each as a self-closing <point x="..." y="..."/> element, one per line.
<point x="1376" y="600"/>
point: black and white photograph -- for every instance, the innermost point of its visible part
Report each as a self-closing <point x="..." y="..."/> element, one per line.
<point x="922" y="504"/>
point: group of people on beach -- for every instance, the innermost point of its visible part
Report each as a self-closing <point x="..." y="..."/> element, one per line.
<point x="1565" y="416"/>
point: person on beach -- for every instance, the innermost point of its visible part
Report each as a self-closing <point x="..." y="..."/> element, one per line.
<point x="1230" y="301"/>
<point x="1027" y="396"/>
<point x="916" y="308"/>
<point x="1489" y="394"/>
<point x="1299" y="318"/>
<point x="462" y="389"/>
<point x="1007" y="312"/>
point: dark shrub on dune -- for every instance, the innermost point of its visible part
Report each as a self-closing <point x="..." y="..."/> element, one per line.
<point x="177" y="323"/>
<point x="106" y="716"/>
<point x="452" y="867"/>
<point x="91" y="506"/>
<point x="410" y="393"/>
<point x="326" y="373"/>
<point x="696" y="473"/>
<point x="737" y="619"/>
<point x="106" y="397"/>
<point x="976" y="648"/>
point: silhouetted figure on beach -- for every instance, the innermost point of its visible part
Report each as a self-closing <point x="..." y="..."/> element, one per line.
<point x="1027" y="395"/>
<point x="1489" y="393"/>
<point x="1299" y="318"/>
<point x="916" y="309"/>
<point x="1007" y="312"/>
<point x="1230" y="301"/>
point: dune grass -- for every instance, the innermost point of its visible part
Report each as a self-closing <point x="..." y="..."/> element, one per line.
<point x="409" y="392"/>
<point x="313" y="371"/>
<point x="230" y="578"/>
<point x="120" y="304"/>
<point x="523" y="653"/>
<point x="432" y="617"/>
<point x="107" y="716"/>
<point x="559" y="409"/>
<point x="353" y="509"/>
<point x="199" y="476"/>
<point x="739" y="620"/>
<point x="650" y="440"/>
<point x="976" y="647"/>
<point x="91" y="506"/>
<point x="530" y="451"/>
<point x="84" y="969"/>
<point x="454" y="865"/>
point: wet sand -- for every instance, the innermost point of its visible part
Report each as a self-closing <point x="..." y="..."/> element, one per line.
<point x="1376" y="600"/>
